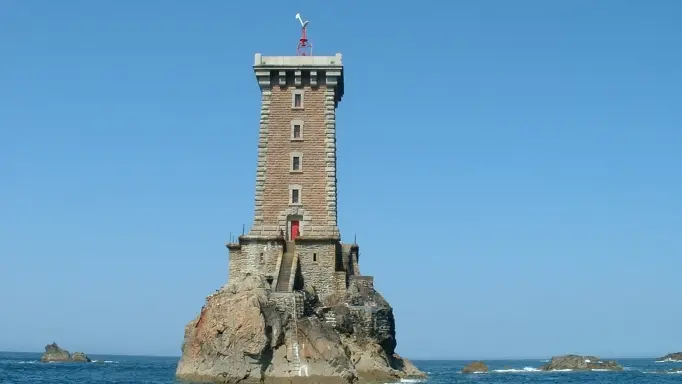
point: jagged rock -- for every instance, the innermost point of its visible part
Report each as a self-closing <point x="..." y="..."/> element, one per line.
<point x="80" y="356"/>
<point x="677" y="356"/>
<point x="241" y="336"/>
<point x="54" y="353"/>
<point x="475" y="367"/>
<point x="580" y="363"/>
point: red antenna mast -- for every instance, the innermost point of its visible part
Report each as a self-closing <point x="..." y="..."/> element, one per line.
<point x="305" y="47"/>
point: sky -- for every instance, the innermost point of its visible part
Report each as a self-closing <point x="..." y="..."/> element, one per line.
<point x="511" y="169"/>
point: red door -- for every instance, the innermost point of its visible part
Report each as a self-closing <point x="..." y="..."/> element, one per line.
<point x="294" y="230"/>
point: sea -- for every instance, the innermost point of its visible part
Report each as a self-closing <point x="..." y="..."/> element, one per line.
<point x="24" y="368"/>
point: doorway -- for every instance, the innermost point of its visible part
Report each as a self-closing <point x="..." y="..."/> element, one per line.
<point x="294" y="223"/>
<point x="295" y="227"/>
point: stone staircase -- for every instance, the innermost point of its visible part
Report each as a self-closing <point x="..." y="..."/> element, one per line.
<point x="295" y="348"/>
<point x="285" y="268"/>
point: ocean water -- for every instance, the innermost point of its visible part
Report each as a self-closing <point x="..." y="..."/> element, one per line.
<point x="24" y="368"/>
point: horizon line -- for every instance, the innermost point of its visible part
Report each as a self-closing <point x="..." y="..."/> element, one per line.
<point x="409" y="358"/>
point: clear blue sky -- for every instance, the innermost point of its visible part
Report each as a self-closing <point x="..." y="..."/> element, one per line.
<point x="512" y="169"/>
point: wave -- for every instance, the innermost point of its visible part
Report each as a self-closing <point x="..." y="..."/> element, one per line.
<point x="54" y="362"/>
<point x="516" y="370"/>
<point x="19" y="362"/>
<point x="663" y="372"/>
<point x="668" y="360"/>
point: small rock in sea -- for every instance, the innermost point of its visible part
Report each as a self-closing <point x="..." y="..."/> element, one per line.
<point x="580" y="363"/>
<point x="677" y="356"/>
<point x="475" y="367"/>
<point x="80" y="356"/>
<point x="54" y="353"/>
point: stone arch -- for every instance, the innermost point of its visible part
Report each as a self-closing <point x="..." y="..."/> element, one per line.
<point x="305" y="216"/>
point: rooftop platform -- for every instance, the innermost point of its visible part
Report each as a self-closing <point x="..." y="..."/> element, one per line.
<point x="331" y="62"/>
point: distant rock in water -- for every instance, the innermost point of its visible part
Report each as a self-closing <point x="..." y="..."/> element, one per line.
<point x="475" y="367"/>
<point x="54" y="353"/>
<point x="580" y="363"/>
<point x="677" y="356"/>
<point x="80" y="356"/>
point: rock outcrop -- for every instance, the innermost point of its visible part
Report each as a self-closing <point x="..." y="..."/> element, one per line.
<point x="80" y="356"/>
<point x="475" y="367"/>
<point x="580" y="363"/>
<point x="245" y="333"/>
<point x="54" y="353"/>
<point x="677" y="356"/>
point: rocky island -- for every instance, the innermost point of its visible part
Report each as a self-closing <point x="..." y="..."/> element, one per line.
<point x="676" y="356"/>
<point x="256" y="341"/>
<point x="296" y="307"/>
<point x="54" y="353"/>
<point x="580" y="363"/>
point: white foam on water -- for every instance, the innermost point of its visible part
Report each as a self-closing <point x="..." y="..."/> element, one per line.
<point x="600" y="370"/>
<point x="27" y="362"/>
<point x="517" y="370"/>
<point x="668" y="360"/>
<point x="411" y="380"/>
<point x="561" y="370"/>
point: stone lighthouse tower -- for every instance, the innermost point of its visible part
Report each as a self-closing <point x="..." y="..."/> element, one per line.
<point x="296" y="174"/>
<point x="295" y="240"/>
<point x="296" y="306"/>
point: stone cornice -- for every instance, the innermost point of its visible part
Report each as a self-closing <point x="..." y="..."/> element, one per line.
<point x="318" y="239"/>
<point x="276" y="70"/>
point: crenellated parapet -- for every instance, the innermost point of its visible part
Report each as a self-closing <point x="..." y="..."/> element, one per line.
<point x="300" y="71"/>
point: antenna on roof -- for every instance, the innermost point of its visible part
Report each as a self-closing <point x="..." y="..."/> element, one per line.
<point x="305" y="48"/>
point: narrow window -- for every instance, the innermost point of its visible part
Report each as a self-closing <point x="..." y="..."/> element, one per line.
<point x="297" y="130"/>
<point x="298" y="100"/>
<point x="314" y="256"/>
<point x="296" y="163"/>
<point x="295" y="194"/>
